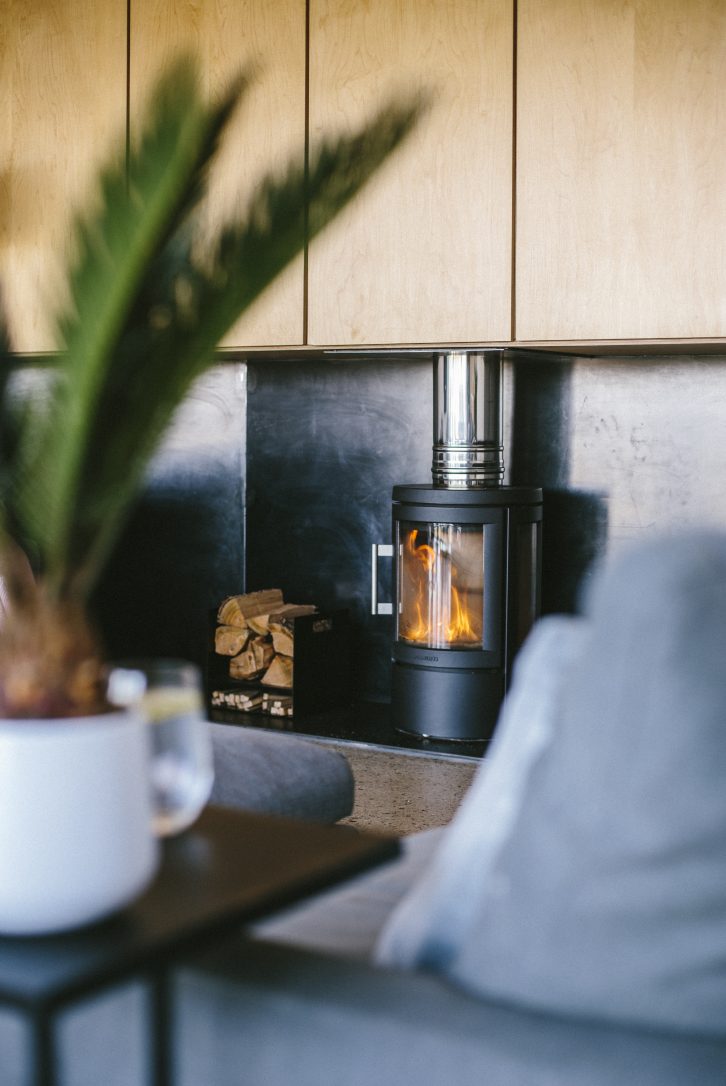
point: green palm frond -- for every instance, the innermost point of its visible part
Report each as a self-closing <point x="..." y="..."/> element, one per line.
<point x="9" y="425"/>
<point x="140" y="209"/>
<point x="148" y="312"/>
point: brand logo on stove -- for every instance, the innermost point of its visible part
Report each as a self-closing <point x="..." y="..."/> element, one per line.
<point x="431" y="659"/>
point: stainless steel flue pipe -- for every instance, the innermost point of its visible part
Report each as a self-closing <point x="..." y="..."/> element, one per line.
<point x="468" y="450"/>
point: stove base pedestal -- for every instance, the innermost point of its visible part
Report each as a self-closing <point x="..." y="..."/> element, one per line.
<point x="446" y="703"/>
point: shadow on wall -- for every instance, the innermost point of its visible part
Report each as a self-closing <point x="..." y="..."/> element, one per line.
<point x="622" y="448"/>
<point x="575" y="526"/>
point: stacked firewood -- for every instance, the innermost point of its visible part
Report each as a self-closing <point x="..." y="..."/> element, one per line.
<point x="257" y="632"/>
<point x="253" y="701"/>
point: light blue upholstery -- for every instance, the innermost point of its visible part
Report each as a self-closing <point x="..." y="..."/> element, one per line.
<point x="586" y="870"/>
<point x="263" y="1014"/>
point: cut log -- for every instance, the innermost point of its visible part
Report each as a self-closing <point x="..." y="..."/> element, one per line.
<point x="251" y="663"/>
<point x="263" y="652"/>
<point x="293" y="610"/>
<point x="281" y="710"/>
<point x="277" y="704"/>
<point x="279" y="673"/>
<point x="236" y="610"/>
<point x="230" y="640"/>
<point x="260" y="624"/>
<point x="282" y="638"/>
<point x="243" y="666"/>
<point x="237" y="699"/>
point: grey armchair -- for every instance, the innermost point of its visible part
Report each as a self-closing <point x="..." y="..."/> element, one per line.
<point x="568" y="928"/>
<point x="276" y="773"/>
<point x="264" y="1014"/>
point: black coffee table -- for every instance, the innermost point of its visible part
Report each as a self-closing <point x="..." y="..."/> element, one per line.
<point x="228" y="869"/>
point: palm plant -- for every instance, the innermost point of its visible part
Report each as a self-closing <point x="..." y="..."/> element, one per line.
<point x="148" y="308"/>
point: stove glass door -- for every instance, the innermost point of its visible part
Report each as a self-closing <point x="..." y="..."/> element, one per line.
<point x="440" y="584"/>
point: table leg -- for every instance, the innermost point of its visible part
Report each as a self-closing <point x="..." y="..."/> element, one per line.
<point x="160" y="1040"/>
<point x="43" y="1056"/>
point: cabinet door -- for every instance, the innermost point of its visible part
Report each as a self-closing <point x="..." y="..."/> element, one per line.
<point x="63" y="104"/>
<point x="621" y="190"/>
<point x="424" y="253"/>
<point x="268" y="130"/>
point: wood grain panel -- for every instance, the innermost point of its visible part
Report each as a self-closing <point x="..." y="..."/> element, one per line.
<point x="621" y="194"/>
<point x="228" y="35"/>
<point x="423" y="255"/>
<point x="62" y="106"/>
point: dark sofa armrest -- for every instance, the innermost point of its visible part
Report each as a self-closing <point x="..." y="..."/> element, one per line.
<point x="279" y="773"/>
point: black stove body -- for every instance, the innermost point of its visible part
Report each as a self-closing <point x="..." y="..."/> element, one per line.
<point x="467" y="560"/>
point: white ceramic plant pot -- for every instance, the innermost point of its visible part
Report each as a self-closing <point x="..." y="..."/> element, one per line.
<point x="76" y="839"/>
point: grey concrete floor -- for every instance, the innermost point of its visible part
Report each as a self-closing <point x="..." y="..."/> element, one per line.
<point x="403" y="791"/>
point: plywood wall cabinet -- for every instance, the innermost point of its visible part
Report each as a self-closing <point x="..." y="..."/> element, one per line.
<point x="424" y="253"/>
<point x="621" y="187"/>
<point x="63" y="106"/>
<point x="267" y="132"/>
<point x="620" y="192"/>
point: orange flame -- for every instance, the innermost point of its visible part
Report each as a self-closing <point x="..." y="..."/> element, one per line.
<point x="460" y="628"/>
<point x="425" y="554"/>
<point x="452" y="621"/>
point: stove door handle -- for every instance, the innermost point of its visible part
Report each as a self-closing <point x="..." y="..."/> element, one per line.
<point x="379" y="550"/>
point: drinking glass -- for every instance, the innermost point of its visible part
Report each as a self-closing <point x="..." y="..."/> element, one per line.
<point x="168" y="695"/>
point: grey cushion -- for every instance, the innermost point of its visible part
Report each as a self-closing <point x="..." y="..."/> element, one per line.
<point x="278" y="773"/>
<point x="596" y="882"/>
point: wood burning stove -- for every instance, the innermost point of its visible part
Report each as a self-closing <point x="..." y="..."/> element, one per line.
<point x="467" y="593"/>
<point x="467" y="558"/>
